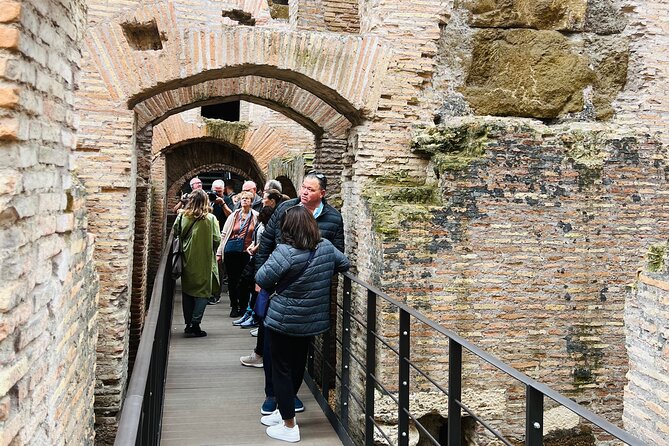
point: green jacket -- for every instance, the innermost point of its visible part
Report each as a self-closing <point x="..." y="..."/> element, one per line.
<point x="200" y="274"/>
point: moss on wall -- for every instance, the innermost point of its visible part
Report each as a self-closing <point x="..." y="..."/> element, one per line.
<point x="656" y="257"/>
<point x="232" y="132"/>
<point x="586" y="151"/>
<point x="451" y="148"/>
<point x="396" y="198"/>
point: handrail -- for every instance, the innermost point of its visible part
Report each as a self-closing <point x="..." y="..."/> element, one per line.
<point x="535" y="391"/>
<point x="142" y="411"/>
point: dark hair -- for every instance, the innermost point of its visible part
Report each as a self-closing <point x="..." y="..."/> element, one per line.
<point x="299" y="228"/>
<point x="273" y="194"/>
<point x="320" y="177"/>
<point x="265" y="214"/>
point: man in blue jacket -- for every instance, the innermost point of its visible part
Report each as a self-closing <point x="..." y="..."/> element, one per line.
<point x="331" y="226"/>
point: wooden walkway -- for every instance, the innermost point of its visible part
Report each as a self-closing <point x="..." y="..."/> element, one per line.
<point x="211" y="399"/>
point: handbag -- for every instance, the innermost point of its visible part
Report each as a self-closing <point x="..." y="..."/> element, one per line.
<point x="178" y="251"/>
<point x="264" y="296"/>
<point x="237" y="244"/>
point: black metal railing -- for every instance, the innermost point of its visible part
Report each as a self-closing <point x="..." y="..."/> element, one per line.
<point x="142" y="410"/>
<point x="322" y="373"/>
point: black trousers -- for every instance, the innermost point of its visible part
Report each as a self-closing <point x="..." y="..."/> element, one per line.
<point x="289" y="357"/>
<point x="238" y="291"/>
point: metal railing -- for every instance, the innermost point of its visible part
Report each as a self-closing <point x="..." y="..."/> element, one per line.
<point x="142" y="410"/>
<point x="365" y="356"/>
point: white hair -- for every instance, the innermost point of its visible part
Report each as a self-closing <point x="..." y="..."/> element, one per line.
<point x="217" y="183"/>
<point x="273" y="184"/>
<point x="250" y="183"/>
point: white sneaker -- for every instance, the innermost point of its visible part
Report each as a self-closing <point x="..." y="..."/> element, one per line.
<point x="283" y="433"/>
<point x="254" y="332"/>
<point x="272" y="419"/>
<point x="252" y="360"/>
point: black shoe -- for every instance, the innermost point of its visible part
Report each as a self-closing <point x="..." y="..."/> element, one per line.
<point x="188" y="329"/>
<point x="196" y="332"/>
<point x="235" y="313"/>
<point x="213" y="300"/>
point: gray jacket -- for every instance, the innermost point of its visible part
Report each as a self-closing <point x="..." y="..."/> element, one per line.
<point x="302" y="309"/>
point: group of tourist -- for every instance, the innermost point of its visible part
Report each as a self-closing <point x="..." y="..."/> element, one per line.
<point x="288" y="249"/>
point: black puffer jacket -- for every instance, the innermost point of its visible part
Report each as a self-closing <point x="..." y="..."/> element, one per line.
<point x="330" y="224"/>
<point x="303" y="308"/>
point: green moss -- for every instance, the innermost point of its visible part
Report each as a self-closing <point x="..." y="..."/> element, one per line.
<point x="656" y="257"/>
<point x="451" y="148"/>
<point x="585" y="151"/>
<point x="398" y="198"/>
<point x="232" y="132"/>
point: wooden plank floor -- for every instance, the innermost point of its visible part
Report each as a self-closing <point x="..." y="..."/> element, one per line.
<point x="211" y="399"/>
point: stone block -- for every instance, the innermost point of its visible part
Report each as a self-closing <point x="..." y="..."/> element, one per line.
<point x="566" y="15"/>
<point x="9" y="129"/>
<point x="9" y="11"/>
<point x="9" y="37"/>
<point x="526" y="73"/>
<point x="9" y="376"/>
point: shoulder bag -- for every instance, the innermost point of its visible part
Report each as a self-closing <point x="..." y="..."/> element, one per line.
<point x="264" y="296"/>
<point x="237" y="244"/>
<point x="178" y="250"/>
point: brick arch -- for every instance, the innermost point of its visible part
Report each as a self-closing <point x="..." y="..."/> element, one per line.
<point x="195" y="156"/>
<point x="346" y="72"/>
<point x="305" y="108"/>
<point x="263" y="142"/>
<point x="175" y="130"/>
<point x="175" y="187"/>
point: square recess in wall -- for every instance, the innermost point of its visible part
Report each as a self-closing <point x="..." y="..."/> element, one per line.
<point x="142" y="36"/>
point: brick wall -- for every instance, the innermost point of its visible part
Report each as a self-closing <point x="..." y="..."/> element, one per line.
<point x="647" y="328"/>
<point x="527" y="251"/>
<point x="48" y="297"/>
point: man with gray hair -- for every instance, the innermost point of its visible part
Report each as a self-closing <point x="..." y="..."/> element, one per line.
<point x="273" y="184"/>
<point x="195" y="183"/>
<point x="251" y="186"/>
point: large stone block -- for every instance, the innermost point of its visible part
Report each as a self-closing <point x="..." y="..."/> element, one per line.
<point x="539" y="14"/>
<point x="526" y="73"/>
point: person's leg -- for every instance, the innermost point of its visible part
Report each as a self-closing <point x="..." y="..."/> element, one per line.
<point x="243" y="285"/>
<point x="260" y="341"/>
<point x="187" y="304"/>
<point x="267" y="361"/>
<point x="299" y="360"/>
<point x="282" y="373"/>
<point x="198" y="309"/>
<point x="234" y="272"/>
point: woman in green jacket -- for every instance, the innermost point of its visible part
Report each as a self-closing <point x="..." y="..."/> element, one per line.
<point x="200" y="271"/>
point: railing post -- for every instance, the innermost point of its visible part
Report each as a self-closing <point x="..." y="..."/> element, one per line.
<point x="345" y="353"/>
<point x="370" y="365"/>
<point x="454" y="393"/>
<point x="403" y="415"/>
<point x="325" y="370"/>
<point x="534" y="417"/>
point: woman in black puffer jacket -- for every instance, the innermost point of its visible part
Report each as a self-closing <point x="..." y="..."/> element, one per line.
<point x="297" y="313"/>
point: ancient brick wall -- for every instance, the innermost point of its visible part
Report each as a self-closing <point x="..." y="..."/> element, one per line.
<point x="487" y="207"/>
<point x="647" y="327"/>
<point x="527" y="248"/>
<point x="48" y="298"/>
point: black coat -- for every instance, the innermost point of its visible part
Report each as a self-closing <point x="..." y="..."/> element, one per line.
<point x="330" y="224"/>
<point x="303" y="308"/>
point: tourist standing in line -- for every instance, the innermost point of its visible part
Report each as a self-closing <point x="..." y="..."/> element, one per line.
<point x="303" y="265"/>
<point x="195" y="184"/>
<point x="236" y="237"/>
<point x="200" y="236"/>
<point x="331" y="227"/>
<point x="218" y="206"/>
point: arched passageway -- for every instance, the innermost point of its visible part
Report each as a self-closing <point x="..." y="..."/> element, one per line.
<point x="325" y="85"/>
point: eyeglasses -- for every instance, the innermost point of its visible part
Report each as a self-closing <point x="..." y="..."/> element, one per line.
<point x="318" y="175"/>
<point x="322" y="180"/>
